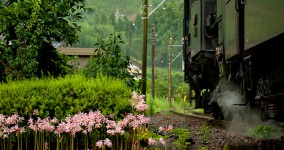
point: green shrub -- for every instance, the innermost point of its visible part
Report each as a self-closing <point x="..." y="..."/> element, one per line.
<point x="205" y="134"/>
<point x="110" y="60"/>
<point x="263" y="131"/>
<point x="65" y="96"/>
<point x="179" y="87"/>
<point x="183" y="138"/>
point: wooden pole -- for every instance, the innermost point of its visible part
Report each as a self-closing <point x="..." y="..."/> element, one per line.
<point x="153" y="61"/>
<point x="144" y="55"/>
<point x="170" y="69"/>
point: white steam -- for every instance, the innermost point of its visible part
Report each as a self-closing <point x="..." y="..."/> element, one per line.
<point x="234" y="107"/>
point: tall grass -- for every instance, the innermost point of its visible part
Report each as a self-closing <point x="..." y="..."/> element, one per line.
<point x="178" y="105"/>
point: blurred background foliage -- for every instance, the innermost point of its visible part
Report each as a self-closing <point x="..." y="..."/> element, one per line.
<point x="124" y="16"/>
<point x="81" y="24"/>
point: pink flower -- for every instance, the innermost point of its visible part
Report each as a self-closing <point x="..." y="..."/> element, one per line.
<point x="17" y="129"/>
<point x="111" y="116"/>
<point x="2" y="119"/>
<point x="122" y="132"/>
<point x="100" y="144"/>
<point x="166" y="128"/>
<point x="161" y="128"/>
<point x="170" y="128"/>
<point x="122" y="123"/>
<point x="135" y="124"/>
<point x="54" y="120"/>
<point x="5" y="136"/>
<point x="151" y="141"/>
<point x="111" y="132"/>
<point x="108" y="142"/>
<point x="60" y="128"/>
<point x="141" y="106"/>
<point x="130" y="117"/>
<point x="85" y="132"/>
<point x="32" y="125"/>
<point x="141" y="97"/>
<point x="111" y="124"/>
<point x="14" y="119"/>
<point x="143" y="119"/>
<point x="162" y="140"/>
<point x="134" y="95"/>
<point x="138" y="102"/>
<point x="35" y="112"/>
<point x="46" y="145"/>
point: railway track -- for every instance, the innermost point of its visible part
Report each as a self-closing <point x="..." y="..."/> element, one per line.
<point x="239" y="128"/>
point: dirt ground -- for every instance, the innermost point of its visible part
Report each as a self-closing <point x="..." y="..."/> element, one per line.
<point x="214" y="140"/>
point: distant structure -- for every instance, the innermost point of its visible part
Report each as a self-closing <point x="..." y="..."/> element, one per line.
<point x="117" y="14"/>
<point x="84" y="54"/>
<point x="136" y="69"/>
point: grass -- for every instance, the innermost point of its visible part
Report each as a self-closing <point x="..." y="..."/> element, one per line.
<point x="161" y="104"/>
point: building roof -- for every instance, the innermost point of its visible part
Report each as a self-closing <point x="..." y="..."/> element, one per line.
<point x="136" y="63"/>
<point x="77" y="51"/>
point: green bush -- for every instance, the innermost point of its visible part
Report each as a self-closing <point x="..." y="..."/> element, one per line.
<point x="179" y="87"/>
<point x="183" y="138"/>
<point x="110" y="60"/>
<point x="65" y="96"/>
<point x="205" y="133"/>
<point x="264" y="132"/>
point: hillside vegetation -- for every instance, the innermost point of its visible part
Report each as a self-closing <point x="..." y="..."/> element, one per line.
<point x="124" y="16"/>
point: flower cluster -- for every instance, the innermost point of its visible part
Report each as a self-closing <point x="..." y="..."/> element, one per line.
<point x="10" y="124"/>
<point x="138" y="102"/>
<point x="42" y="125"/>
<point x="153" y="142"/>
<point x="84" y="123"/>
<point x="166" y="128"/>
<point x="101" y="143"/>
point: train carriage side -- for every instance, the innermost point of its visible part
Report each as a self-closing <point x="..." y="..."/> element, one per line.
<point x="245" y="38"/>
<point x="263" y="62"/>
<point x="250" y="37"/>
<point x="199" y="52"/>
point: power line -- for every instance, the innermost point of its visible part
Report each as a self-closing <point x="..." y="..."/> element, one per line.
<point x="176" y="57"/>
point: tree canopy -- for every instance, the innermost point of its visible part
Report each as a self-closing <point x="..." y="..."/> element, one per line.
<point x="28" y="28"/>
<point x="124" y="16"/>
<point x="110" y="60"/>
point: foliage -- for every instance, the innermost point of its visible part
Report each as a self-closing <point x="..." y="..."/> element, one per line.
<point x="205" y="133"/>
<point x="103" y="20"/>
<point x="63" y="96"/>
<point x="183" y="136"/>
<point x="157" y="105"/>
<point x="79" y="131"/>
<point x="168" y="21"/>
<point x="162" y="104"/>
<point x="144" y="134"/>
<point x="202" y="148"/>
<point x="179" y="87"/>
<point x="110" y="60"/>
<point x="28" y="28"/>
<point x="264" y="132"/>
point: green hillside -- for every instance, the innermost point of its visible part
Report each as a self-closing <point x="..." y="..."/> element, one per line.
<point x="124" y="16"/>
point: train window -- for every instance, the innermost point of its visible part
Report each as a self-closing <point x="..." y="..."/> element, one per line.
<point x="194" y="20"/>
<point x="188" y="39"/>
<point x="195" y="31"/>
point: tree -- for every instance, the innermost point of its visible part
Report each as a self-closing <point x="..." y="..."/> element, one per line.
<point x="110" y="60"/>
<point x="28" y="28"/>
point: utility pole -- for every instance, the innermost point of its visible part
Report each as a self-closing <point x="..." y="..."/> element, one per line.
<point x="144" y="55"/>
<point x="153" y="61"/>
<point x="145" y="17"/>
<point x="170" y="69"/>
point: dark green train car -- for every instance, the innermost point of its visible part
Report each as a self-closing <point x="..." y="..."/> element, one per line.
<point x="236" y="43"/>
